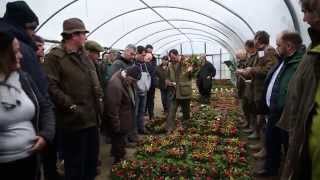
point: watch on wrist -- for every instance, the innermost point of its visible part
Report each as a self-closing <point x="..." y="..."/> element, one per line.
<point x="73" y="107"/>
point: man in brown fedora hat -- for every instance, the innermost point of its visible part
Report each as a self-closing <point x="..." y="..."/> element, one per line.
<point x="75" y="89"/>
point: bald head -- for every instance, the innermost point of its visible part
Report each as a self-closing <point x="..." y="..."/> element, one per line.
<point x="288" y="43"/>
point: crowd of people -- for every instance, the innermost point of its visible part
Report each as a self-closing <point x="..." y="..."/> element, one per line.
<point x="56" y="106"/>
<point x="278" y="89"/>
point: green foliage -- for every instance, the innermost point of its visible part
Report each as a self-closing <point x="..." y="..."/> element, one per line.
<point x="208" y="148"/>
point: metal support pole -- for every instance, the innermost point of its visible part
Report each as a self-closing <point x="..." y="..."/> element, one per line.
<point x="205" y="48"/>
<point x="220" y="63"/>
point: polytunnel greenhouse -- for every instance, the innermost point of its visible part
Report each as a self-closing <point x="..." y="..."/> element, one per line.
<point x="158" y="89"/>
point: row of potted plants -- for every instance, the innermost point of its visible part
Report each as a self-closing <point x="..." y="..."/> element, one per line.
<point x="208" y="148"/>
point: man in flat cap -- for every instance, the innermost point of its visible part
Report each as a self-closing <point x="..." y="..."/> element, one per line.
<point x="75" y="90"/>
<point x="93" y="52"/>
<point x="119" y="109"/>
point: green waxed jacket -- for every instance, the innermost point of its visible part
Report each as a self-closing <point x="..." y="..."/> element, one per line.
<point x="298" y="112"/>
<point x="178" y="73"/>
<point x="290" y="67"/>
<point x="73" y="80"/>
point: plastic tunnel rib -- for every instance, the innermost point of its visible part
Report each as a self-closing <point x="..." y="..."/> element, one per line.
<point x="118" y="23"/>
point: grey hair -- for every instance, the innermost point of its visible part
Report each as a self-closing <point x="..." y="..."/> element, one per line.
<point x="131" y="46"/>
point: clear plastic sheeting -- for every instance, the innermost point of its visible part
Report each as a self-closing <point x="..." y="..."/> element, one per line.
<point x="183" y="24"/>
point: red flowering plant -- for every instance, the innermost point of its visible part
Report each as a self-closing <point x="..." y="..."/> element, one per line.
<point x="209" y="148"/>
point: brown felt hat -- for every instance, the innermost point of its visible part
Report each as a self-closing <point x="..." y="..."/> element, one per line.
<point x="73" y="25"/>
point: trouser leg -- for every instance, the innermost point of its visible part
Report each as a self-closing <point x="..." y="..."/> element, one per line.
<point x="92" y="155"/>
<point x="273" y="148"/>
<point x="132" y="135"/>
<point x="285" y="140"/>
<point x="140" y="105"/>
<point x="49" y="162"/>
<point x="25" y="169"/>
<point x="150" y="102"/>
<point x="170" y="124"/>
<point x="185" y="107"/>
<point x="118" y="150"/>
<point x="80" y="150"/>
<point x="260" y="125"/>
<point x="164" y="100"/>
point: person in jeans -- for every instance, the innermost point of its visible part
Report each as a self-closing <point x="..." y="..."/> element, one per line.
<point x="152" y="64"/>
<point x="143" y="86"/>
<point x="26" y="117"/>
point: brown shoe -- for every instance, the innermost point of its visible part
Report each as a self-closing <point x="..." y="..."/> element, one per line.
<point x="261" y="154"/>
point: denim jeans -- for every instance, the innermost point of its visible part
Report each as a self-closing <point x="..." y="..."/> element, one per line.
<point x="139" y="113"/>
<point x="150" y="102"/>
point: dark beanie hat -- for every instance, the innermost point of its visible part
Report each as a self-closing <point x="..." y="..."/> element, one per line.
<point x="134" y="72"/>
<point x="20" y="13"/>
<point x="149" y="46"/>
<point x="6" y="39"/>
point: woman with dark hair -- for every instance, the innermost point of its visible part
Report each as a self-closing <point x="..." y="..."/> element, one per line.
<point x="26" y="117"/>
